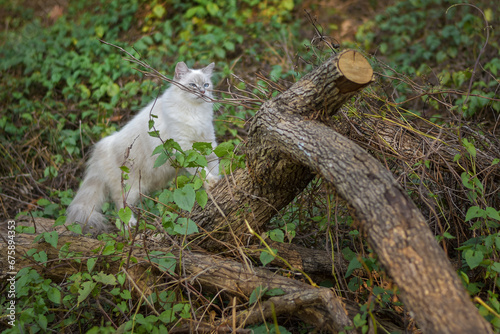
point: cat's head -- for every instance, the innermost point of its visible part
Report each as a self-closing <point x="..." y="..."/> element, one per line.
<point x="197" y="81"/>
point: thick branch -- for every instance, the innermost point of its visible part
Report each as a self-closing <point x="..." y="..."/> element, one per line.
<point x="289" y="140"/>
<point x="315" y="306"/>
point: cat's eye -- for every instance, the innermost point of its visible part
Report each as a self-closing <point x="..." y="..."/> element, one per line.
<point x="192" y="85"/>
<point x="206" y="85"/>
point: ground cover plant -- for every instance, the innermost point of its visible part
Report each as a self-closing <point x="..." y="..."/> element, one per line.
<point x="62" y="90"/>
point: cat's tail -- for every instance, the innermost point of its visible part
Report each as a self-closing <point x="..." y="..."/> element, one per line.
<point x="86" y="206"/>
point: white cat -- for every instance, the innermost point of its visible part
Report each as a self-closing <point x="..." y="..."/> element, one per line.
<point x="183" y="116"/>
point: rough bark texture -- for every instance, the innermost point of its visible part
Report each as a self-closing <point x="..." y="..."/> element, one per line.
<point x="316" y="306"/>
<point x="288" y="142"/>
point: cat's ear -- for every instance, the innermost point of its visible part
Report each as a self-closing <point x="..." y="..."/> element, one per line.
<point x="208" y="70"/>
<point x="181" y="69"/>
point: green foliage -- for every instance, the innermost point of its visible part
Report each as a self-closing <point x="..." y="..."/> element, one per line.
<point x="437" y="39"/>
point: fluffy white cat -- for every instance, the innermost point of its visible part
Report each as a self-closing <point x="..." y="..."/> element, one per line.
<point x="183" y="115"/>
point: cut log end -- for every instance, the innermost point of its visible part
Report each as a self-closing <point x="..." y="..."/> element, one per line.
<point x="355" y="68"/>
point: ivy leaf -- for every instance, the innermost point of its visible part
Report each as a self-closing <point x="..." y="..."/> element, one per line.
<point x="51" y="238"/>
<point x="266" y="257"/>
<point x="166" y="262"/>
<point x="91" y="264"/>
<point x="473" y="258"/>
<point x="185" y="226"/>
<point x="184" y="197"/>
<point x="277" y="235"/>
<point x="125" y="214"/>
<point x="275" y="292"/>
<point x="106" y="279"/>
<point x="75" y="228"/>
<point x="85" y="290"/>
<point x="353" y="264"/>
<point x="257" y="294"/>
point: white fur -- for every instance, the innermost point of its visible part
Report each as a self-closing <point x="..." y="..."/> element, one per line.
<point x="182" y="115"/>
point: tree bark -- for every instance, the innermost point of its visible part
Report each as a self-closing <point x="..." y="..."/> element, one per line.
<point x="289" y="141"/>
<point x="316" y="306"/>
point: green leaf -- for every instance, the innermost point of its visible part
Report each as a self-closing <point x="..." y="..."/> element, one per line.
<point x="496" y="267"/>
<point x="85" y="289"/>
<point x="353" y="264"/>
<point x="121" y="277"/>
<point x="54" y="295"/>
<point x="113" y="89"/>
<point x="473" y="258"/>
<point x="75" y="228"/>
<point x="277" y="235"/>
<point x="166" y="262"/>
<point x="125" y="169"/>
<point x="43" y="202"/>
<point x="447" y="235"/>
<point x="159" y="11"/>
<point x="171" y="144"/>
<point x="125" y="214"/>
<point x="201" y="198"/>
<point x="154" y="134"/>
<point x="492" y="213"/>
<point x="185" y="226"/>
<point x="185" y="197"/>
<point x="469" y="147"/>
<point x="167" y="317"/>
<point x="91" y="264"/>
<point x="275" y="292"/>
<point x="474" y="212"/>
<point x="109" y="248"/>
<point x="266" y="257"/>
<point x="106" y="279"/>
<point x="257" y="294"/>
<point x="42" y="321"/>
<point x="203" y="148"/>
<point x="223" y="149"/>
<point x="161" y="159"/>
<point x="468" y="181"/>
<point x="125" y="294"/>
<point x="51" y="238"/>
<point x="212" y="8"/>
<point x="40" y="257"/>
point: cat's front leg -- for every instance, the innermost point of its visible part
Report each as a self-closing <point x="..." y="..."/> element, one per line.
<point x="212" y="171"/>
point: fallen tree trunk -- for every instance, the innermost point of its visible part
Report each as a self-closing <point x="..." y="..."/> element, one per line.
<point x="289" y="140"/>
<point x="316" y="306"/>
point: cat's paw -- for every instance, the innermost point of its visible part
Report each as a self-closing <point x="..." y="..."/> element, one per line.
<point x="132" y="222"/>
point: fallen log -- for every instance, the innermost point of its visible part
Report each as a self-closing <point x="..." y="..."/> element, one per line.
<point x="316" y="306"/>
<point x="289" y="140"/>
